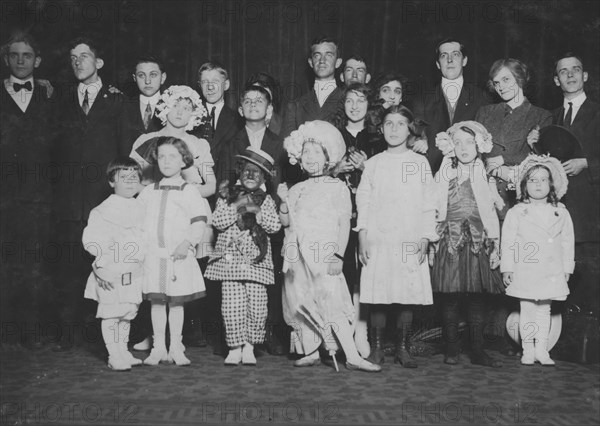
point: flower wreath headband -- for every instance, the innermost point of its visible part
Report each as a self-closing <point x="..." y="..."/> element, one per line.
<point x="173" y="95"/>
<point x="483" y="138"/>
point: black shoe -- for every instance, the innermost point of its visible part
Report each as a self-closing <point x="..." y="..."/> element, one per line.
<point x="274" y="345"/>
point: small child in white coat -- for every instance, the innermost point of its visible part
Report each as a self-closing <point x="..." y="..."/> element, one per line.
<point x="538" y="250"/>
<point x="114" y="235"/>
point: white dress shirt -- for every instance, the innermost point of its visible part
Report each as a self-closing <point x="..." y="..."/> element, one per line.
<point x="577" y="102"/>
<point x="452" y="88"/>
<point x="23" y="96"/>
<point x="145" y="100"/>
<point x="93" y="89"/>
<point x="256" y="138"/>
<point x="323" y="89"/>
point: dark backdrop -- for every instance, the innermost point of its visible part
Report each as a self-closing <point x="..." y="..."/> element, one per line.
<point x="267" y="35"/>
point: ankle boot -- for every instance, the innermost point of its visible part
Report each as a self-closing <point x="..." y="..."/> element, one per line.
<point x="128" y="356"/>
<point x="541" y="352"/>
<point x="377" y="356"/>
<point x="402" y="354"/>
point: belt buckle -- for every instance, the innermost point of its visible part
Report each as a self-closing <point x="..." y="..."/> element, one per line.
<point x="126" y="279"/>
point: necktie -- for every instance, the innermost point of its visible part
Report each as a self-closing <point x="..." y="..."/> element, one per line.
<point x="212" y="117"/>
<point x="568" y="117"/>
<point x="85" y="106"/>
<point x="147" y="115"/>
<point x="18" y="86"/>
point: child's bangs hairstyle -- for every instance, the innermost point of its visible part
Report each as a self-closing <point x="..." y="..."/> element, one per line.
<point x="415" y="127"/>
<point x="181" y="146"/>
<point x="552" y="197"/>
<point x="122" y="163"/>
<point x="255" y="88"/>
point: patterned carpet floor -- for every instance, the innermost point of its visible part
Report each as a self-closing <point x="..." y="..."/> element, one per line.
<point x="76" y="388"/>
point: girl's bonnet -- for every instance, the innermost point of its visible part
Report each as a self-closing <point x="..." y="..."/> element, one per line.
<point x="559" y="176"/>
<point x="483" y="138"/>
<point x="172" y="95"/>
<point x="321" y="132"/>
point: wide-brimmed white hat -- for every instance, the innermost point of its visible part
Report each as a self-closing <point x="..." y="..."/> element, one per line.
<point x="512" y="326"/>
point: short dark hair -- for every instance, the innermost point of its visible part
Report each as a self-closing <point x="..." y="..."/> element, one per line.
<point x="517" y="68"/>
<point x="359" y="87"/>
<point x="92" y="44"/>
<point x="552" y="197"/>
<point x="463" y="50"/>
<point x="149" y="58"/>
<point x="213" y="65"/>
<point x="384" y="79"/>
<point x="567" y="55"/>
<point x="122" y="163"/>
<point x="181" y="146"/>
<point x="325" y="39"/>
<point x="255" y="88"/>
<point x="357" y="58"/>
<point x="21" y="37"/>
<point x="269" y="82"/>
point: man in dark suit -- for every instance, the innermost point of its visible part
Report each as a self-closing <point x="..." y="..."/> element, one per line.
<point x="324" y="102"/>
<point x="219" y="128"/>
<point x="88" y="140"/>
<point x="26" y="128"/>
<point x="137" y="117"/>
<point x="451" y="101"/>
<point x="581" y="116"/>
<point x="222" y="123"/>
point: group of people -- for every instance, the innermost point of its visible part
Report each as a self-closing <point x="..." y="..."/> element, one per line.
<point x="348" y="206"/>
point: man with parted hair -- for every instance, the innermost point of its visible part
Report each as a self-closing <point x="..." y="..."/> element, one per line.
<point x="451" y="101"/>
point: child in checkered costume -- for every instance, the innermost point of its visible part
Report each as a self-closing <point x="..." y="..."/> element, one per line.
<point x="242" y="259"/>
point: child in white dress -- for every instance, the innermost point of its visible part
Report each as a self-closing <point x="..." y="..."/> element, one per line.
<point x="538" y="251"/>
<point x="396" y="221"/>
<point x="114" y="235"/>
<point x="175" y="223"/>
<point x="316" y="214"/>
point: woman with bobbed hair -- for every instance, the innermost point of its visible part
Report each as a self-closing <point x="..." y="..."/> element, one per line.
<point x="513" y="123"/>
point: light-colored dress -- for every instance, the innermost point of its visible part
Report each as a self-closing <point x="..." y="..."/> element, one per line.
<point x="538" y="247"/>
<point x="203" y="165"/>
<point x="395" y="206"/>
<point x="114" y="235"/>
<point x="313" y="300"/>
<point x="174" y="212"/>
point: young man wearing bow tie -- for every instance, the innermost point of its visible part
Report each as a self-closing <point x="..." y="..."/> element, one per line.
<point x="26" y="126"/>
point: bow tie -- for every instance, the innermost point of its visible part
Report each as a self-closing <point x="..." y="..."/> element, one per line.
<point x="18" y="86"/>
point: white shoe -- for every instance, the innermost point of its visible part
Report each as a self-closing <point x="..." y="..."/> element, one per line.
<point x="118" y="363"/>
<point x="176" y="355"/>
<point x="248" y="357"/>
<point x="234" y="357"/>
<point x="144" y="345"/>
<point x="135" y="362"/>
<point x="157" y="356"/>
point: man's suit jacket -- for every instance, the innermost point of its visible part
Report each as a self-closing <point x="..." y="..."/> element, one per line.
<point x="25" y="146"/>
<point x="131" y="124"/>
<point x="432" y="108"/>
<point x="307" y="108"/>
<point x="271" y="144"/>
<point x="85" y="146"/>
<point x="228" y="124"/>
<point x="583" y="194"/>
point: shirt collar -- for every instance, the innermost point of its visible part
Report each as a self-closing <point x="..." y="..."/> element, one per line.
<point x="456" y="82"/>
<point x="14" y="79"/>
<point x="219" y="106"/>
<point x="152" y="100"/>
<point x="93" y="88"/>
<point x="577" y="101"/>
<point x="325" y="85"/>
